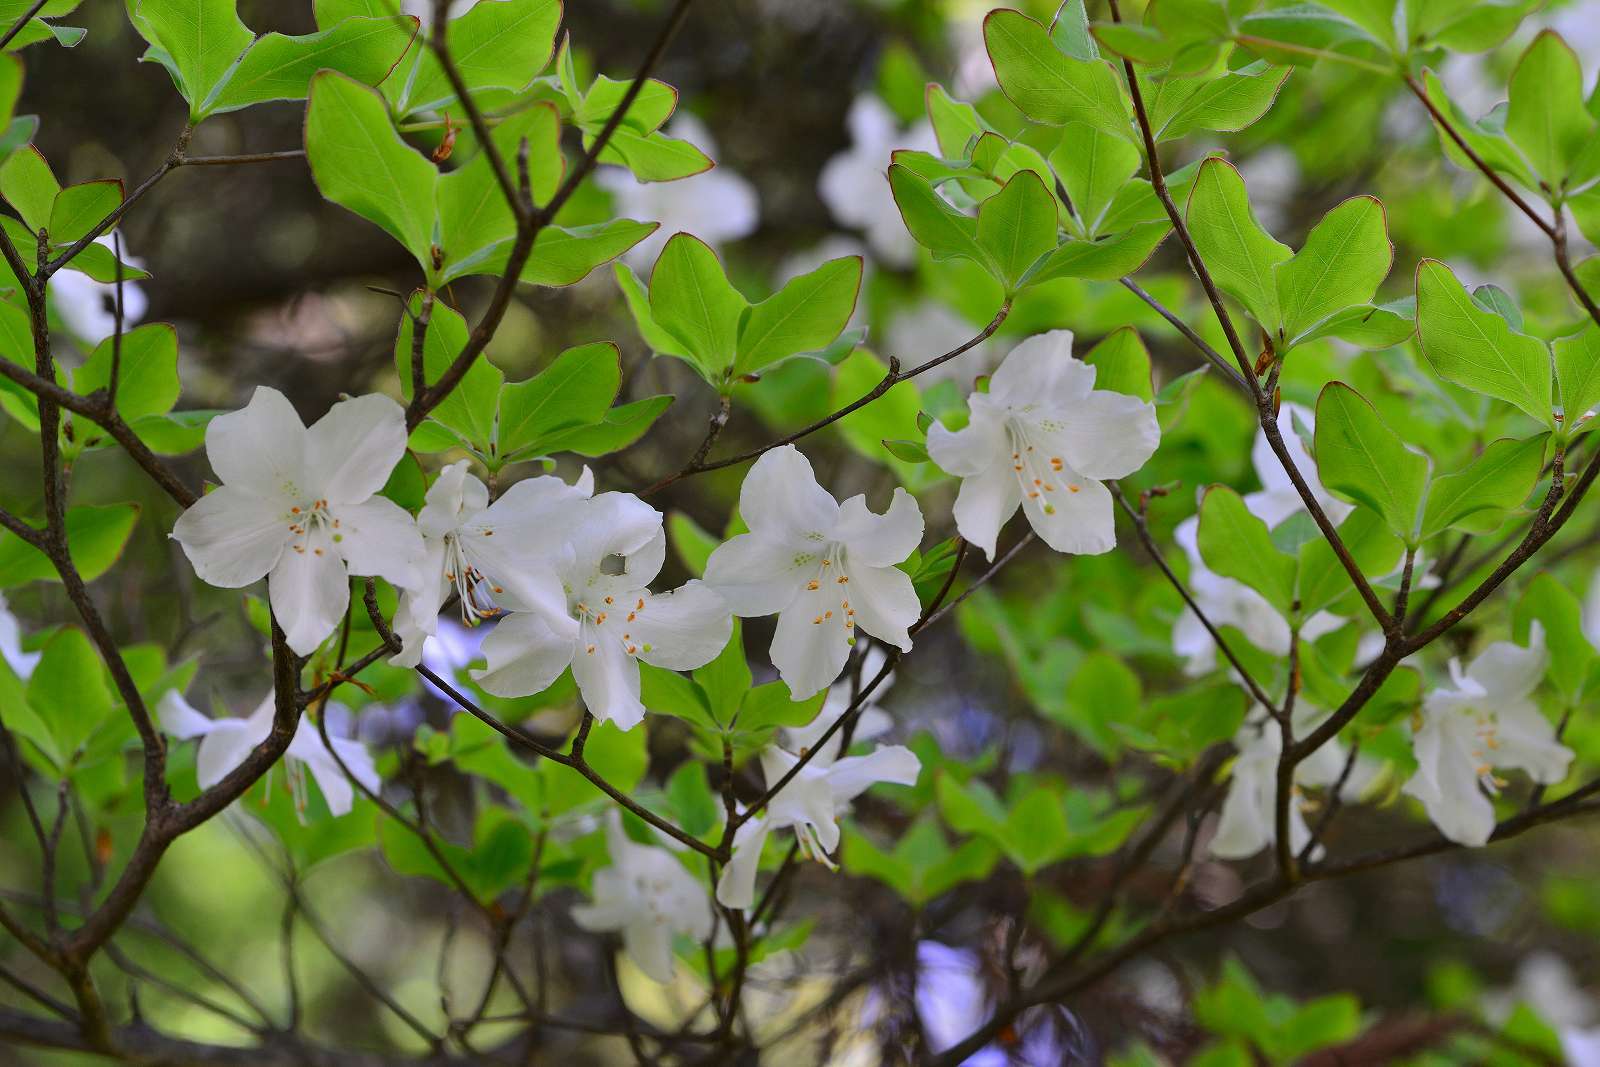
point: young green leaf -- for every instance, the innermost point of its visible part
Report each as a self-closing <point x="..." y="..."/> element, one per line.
<point x="1322" y="577"/>
<point x="1498" y="480"/>
<point x="147" y="379"/>
<point x="68" y="689"/>
<point x="96" y="535"/>
<point x="1093" y="166"/>
<point x="1122" y="364"/>
<point x="934" y="224"/>
<point x="1360" y="458"/>
<point x="1578" y="371"/>
<point x="1045" y="83"/>
<point x="1546" y="117"/>
<point x="360" y="162"/>
<point x="1236" y="544"/>
<point x="1477" y="349"/>
<point x="503" y="44"/>
<point x="1240" y="254"/>
<point x="469" y="410"/>
<point x="1552" y="605"/>
<point x="1345" y="258"/>
<point x="1103" y="260"/>
<point x="564" y="255"/>
<point x="198" y="41"/>
<point x="621" y="427"/>
<point x="1017" y="225"/>
<point x="1225" y="102"/>
<point x="475" y="220"/>
<point x="692" y="299"/>
<point x="575" y="390"/>
<point x="30" y="187"/>
<point x="79" y="208"/>
<point x="279" y="67"/>
<point x="804" y="316"/>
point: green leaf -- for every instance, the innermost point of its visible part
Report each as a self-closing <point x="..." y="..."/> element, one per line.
<point x="147" y="383"/>
<point x="22" y="720"/>
<point x="726" y="680"/>
<point x="29" y="186"/>
<point x="771" y="705"/>
<point x="670" y="693"/>
<point x="475" y="221"/>
<point x="1093" y="167"/>
<point x="500" y="856"/>
<point x="1345" y="258"/>
<point x="1323" y="579"/>
<point x="1103" y="260"/>
<point x="496" y="44"/>
<point x="1546" y="117"/>
<point x="1369" y="326"/>
<point x="1361" y="459"/>
<point x="1236" y="544"/>
<point x="79" y="208"/>
<point x="691" y="542"/>
<point x="689" y="794"/>
<point x="1240" y="254"/>
<point x="575" y="390"/>
<point x="691" y="298"/>
<point x="1477" y="349"/>
<point x="637" y="298"/>
<point x="1491" y="145"/>
<point x="1017" y="225"/>
<point x="1045" y="83"/>
<point x="198" y="41"/>
<point x="1464" y="25"/>
<point x="279" y="67"/>
<point x="95" y="534"/>
<point x="1578" y="370"/>
<point x="1498" y="480"/>
<point x="621" y="427"/>
<point x="470" y="408"/>
<point x="804" y="316"/>
<point x="360" y="162"/>
<point x="1122" y="364"/>
<point x="932" y="222"/>
<point x="563" y="255"/>
<point x="68" y="689"/>
<point x="1555" y="607"/>
<point x="1226" y="102"/>
<point x="175" y="433"/>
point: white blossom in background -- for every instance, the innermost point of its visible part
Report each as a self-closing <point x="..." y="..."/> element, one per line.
<point x="811" y="804"/>
<point x="1272" y="174"/>
<point x="872" y="722"/>
<point x="822" y="567"/>
<point x="1043" y="438"/>
<point x="1544" y="982"/>
<point x="834" y="246"/>
<point x="1486" y="719"/>
<point x="717" y="205"/>
<point x="298" y="506"/>
<point x="21" y="663"/>
<point x="423" y="9"/>
<point x="616" y="548"/>
<point x="87" y="307"/>
<point x="1229" y="602"/>
<point x="224" y="744"/>
<point x="497" y="557"/>
<point x="649" y="896"/>
<point x="855" y="184"/>
<point x="1248" y="820"/>
<point x="927" y="329"/>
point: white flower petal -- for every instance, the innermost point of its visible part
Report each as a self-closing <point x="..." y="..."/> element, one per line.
<point x="649" y="944"/>
<point x="985" y="502"/>
<point x="737" y="886"/>
<point x="1526" y="740"/>
<point x="880" y="540"/>
<point x="680" y="630"/>
<point x="352" y="450"/>
<point x="180" y="718"/>
<point x="232" y="536"/>
<point x="885" y="603"/>
<point x="1080" y="519"/>
<point x="1446" y="781"/>
<point x="1042" y="370"/>
<point x="261" y="448"/>
<point x="607" y="677"/>
<point x="973" y="450"/>
<point x="525" y="656"/>
<point x="377" y="537"/>
<point x="811" y="642"/>
<point x="1103" y="435"/>
<point x="757" y="575"/>
<point x="225" y="747"/>
<point x="1508" y="671"/>
<point x="309" y="590"/>
<point x="854" y="775"/>
<point x="781" y="499"/>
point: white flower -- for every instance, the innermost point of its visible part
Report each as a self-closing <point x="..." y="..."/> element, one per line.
<point x="497" y="557"/>
<point x="1043" y="437"/>
<point x="1277" y="498"/>
<point x="648" y="895"/>
<point x="855" y="186"/>
<point x="823" y="567"/>
<point x="716" y="205"/>
<point x="422" y="10"/>
<point x="87" y="307"/>
<point x="1248" y="821"/>
<point x="872" y="722"/>
<point x="811" y="803"/>
<point x="1486" y="719"/>
<point x="615" y="551"/>
<point x="224" y="744"/>
<point x="298" y="506"/>
<point x="21" y="663"/>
